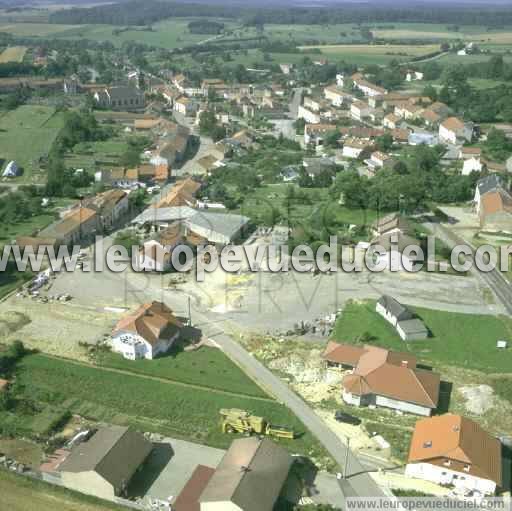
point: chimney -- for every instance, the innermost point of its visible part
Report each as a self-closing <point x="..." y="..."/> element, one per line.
<point x="405" y="363"/>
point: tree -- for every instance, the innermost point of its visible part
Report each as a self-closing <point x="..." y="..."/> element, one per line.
<point x="384" y="143"/>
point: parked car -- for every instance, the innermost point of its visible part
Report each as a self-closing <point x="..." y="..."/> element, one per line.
<point x="346" y="417"/>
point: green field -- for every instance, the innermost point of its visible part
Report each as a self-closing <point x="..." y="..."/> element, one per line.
<point x="207" y="367"/>
<point x="26" y="135"/>
<point x="145" y="403"/>
<point x="90" y="155"/>
<point x="21" y="493"/>
<point x="313" y="207"/>
<point x="463" y="340"/>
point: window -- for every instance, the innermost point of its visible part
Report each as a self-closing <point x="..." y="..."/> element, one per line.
<point x="467" y="468"/>
<point x="447" y="463"/>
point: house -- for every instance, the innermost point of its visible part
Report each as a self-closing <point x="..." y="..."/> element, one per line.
<point x="390" y="379"/>
<point x="120" y="98"/>
<point x="183" y="193"/>
<point x="353" y="147"/>
<point x="496" y="211"/>
<point x="342" y="356"/>
<point x="367" y="88"/>
<point x="378" y="160"/>
<point x="408" y="111"/>
<point x="391" y="121"/>
<point x="147" y="332"/>
<point x="412" y="330"/>
<point x="110" y="207"/>
<point x="392" y="254"/>
<point x="453" y="131"/>
<point x="215" y="85"/>
<point x="335" y="94"/>
<point x="11" y="170"/>
<point x="485" y="185"/>
<point x="472" y="164"/>
<point x="316" y="166"/>
<point x="413" y="76"/>
<point x="217" y="228"/>
<point x="78" y="225"/>
<point x="452" y="450"/>
<point x="430" y="118"/>
<point x="249" y="477"/>
<point x="359" y="110"/>
<point x="286" y="68"/>
<point x="394" y="222"/>
<point x="104" y="465"/>
<point x="392" y="311"/>
<point x="289" y="173"/>
<point x="308" y="115"/>
<point x="423" y="138"/>
<point x="156" y="254"/>
<point x="315" y="133"/>
<point x="185" y="106"/>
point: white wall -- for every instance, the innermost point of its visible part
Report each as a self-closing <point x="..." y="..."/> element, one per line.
<point x="445" y="476"/>
<point x="220" y="506"/>
<point x="387" y="402"/>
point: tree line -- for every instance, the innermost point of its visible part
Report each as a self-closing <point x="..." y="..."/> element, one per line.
<point x="138" y="12"/>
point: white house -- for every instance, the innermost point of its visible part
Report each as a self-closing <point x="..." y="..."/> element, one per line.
<point x="340" y="80"/>
<point x="359" y="110"/>
<point x="335" y="95"/>
<point x="452" y="450"/>
<point x="353" y="147"/>
<point x="473" y="164"/>
<point x="149" y="331"/>
<point x="413" y="76"/>
<point x="392" y="311"/>
<point x="185" y="106"/>
<point x="367" y="88"/>
<point x="378" y="160"/>
<point x="454" y="130"/>
<point x="308" y="115"/>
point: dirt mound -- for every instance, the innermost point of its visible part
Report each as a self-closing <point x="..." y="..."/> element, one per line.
<point x="479" y="398"/>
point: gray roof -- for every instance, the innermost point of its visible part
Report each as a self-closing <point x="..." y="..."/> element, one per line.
<point x="413" y="326"/>
<point x="489" y="183"/>
<point x="222" y="223"/>
<point x="155" y="215"/>
<point x="113" y="452"/>
<point x="423" y="138"/>
<point x="123" y="92"/>
<point x="251" y="475"/>
<point x="398" y="310"/>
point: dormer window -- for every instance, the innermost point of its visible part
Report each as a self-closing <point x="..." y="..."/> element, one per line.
<point x="427" y="444"/>
<point x="467" y="468"/>
<point x="447" y="463"/>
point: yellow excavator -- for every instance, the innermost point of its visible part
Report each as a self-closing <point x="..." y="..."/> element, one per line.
<point x="241" y="421"/>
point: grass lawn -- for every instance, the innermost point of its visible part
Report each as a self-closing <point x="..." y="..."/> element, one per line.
<point x="26" y="135"/>
<point x="90" y="155"/>
<point x="208" y="367"/>
<point x="148" y="405"/>
<point x="462" y="340"/>
<point x="20" y="493"/>
<point x="9" y="232"/>
<point x="309" y="207"/>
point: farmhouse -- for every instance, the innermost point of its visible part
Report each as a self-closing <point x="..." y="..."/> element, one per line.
<point x="145" y="333"/>
<point x="454" y="131"/>
<point x="455" y="451"/>
<point x="249" y="477"/>
<point x="104" y="465"/>
<point x="120" y="98"/>
<point x="359" y="110"/>
<point x="389" y="379"/>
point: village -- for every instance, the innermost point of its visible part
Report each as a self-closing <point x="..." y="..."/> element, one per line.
<point x="252" y="390"/>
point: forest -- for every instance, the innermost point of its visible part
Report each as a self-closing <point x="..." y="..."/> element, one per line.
<point x="139" y="12"/>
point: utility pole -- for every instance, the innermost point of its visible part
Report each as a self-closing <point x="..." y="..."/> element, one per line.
<point x="347" y="449"/>
<point x="189" y="313"/>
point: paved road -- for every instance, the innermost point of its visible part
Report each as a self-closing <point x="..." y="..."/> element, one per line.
<point x="501" y="287"/>
<point x="295" y="103"/>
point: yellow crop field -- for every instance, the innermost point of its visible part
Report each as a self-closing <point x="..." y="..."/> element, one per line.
<point x="13" y="54"/>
